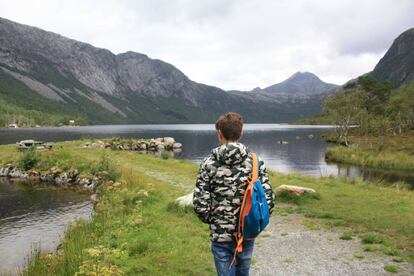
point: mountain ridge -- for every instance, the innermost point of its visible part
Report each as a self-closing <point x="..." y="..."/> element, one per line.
<point x="129" y="87"/>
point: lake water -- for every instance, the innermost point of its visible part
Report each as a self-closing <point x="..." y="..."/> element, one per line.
<point x="31" y="217"/>
<point x="304" y="151"/>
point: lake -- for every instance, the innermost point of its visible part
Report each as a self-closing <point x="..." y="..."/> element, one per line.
<point x="304" y="151"/>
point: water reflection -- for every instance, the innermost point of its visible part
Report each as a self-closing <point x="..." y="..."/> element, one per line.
<point x="34" y="216"/>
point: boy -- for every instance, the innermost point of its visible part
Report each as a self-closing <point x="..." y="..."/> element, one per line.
<point x="220" y="186"/>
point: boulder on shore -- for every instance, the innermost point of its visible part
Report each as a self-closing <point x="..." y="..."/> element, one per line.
<point x="186" y="200"/>
<point x="295" y="190"/>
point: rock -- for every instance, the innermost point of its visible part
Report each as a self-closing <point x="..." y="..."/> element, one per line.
<point x="47" y="178"/>
<point x="4" y="171"/>
<point x="143" y="192"/>
<point x="159" y="140"/>
<point x="116" y="184"/>
<point x="168" y="140"/>
<point x="295" y="190"/>
<point x="177" y="145"/>
<point x="73" y="174"/>
<point x="62" y="179"/>
<point x="55" y="170"/>
<point x="137" y="221"/>
<point x="94" y="198"/>
<point x="311" y="136"/>
<point x="186" y="200"/>
<point x="160" y="147"/>
<point x="16" y="173"/>
<point x="85" y="181"/>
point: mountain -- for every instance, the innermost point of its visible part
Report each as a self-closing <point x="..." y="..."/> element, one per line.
<point x="301" y="82"/>
<point x="397" y="65"/>
<point x="46" y="75"/>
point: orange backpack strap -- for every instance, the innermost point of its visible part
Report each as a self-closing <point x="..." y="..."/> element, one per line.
<point x="255" y="169"/>
<point x="246" y="206"/>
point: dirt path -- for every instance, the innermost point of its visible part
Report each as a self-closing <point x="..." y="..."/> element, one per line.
<point x="289" y="248"/>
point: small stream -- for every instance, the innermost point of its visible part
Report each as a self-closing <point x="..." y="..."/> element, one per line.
<point x="32" y="217"/>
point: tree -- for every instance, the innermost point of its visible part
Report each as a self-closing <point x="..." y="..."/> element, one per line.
<point x="345" y="109"/>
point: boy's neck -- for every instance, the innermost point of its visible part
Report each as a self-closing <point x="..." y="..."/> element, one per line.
<point x="227" y="142"/>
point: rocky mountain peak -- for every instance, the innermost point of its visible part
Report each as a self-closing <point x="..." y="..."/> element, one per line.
<point x="397" y="65"/>
<point x="301" y="82"/>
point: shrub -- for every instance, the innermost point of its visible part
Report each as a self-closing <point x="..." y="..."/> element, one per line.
<point x="391" y="268"/>
<point x="346" y="236"/>
<point x="372" y="238"/>
<point x="29" y="159"/>
<point x="107" y="167"/>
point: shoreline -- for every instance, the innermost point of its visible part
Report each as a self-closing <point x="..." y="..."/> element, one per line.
<point x="382" y="153"/>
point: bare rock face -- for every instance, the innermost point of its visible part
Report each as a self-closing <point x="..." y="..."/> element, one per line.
<point x="397" y="65"/>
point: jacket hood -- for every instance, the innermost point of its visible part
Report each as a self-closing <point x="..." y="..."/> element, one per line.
<point x="231" y="153"/>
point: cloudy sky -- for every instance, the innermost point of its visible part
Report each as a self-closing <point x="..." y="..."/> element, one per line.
<point x="233" y="44"/>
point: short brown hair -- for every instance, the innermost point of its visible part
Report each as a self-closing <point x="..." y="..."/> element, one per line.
<point x="230" y="125"/>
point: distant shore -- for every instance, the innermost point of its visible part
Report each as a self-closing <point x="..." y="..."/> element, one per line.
<point x="387" y="153"/>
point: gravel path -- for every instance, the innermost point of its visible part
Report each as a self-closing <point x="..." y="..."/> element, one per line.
<point x="287" y="247"/>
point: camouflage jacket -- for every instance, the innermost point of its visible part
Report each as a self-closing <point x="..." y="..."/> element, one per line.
<point x="220" y="186"/>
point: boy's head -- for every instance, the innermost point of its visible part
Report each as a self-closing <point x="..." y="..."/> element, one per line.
<point x="229" y="127"/>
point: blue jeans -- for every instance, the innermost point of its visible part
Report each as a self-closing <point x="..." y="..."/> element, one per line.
<point x="223" y="253"/>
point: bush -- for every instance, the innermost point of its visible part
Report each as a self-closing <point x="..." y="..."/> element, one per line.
<point x="372" y="238"/>
<point x="391" y="268"/>
<point x="346" y="236"/>
<point x="106" y="167"/>
<point x="29" y="159"/>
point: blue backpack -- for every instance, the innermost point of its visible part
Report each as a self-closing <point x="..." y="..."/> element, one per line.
<point x="254" y="211"/>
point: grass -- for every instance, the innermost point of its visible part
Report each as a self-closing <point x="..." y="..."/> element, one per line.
<point x="370" y="248"/>
<point x="389" y="153"/>
<point x="372" y="238"/>
<point x="346" y="236"/>
<point x="391" y="268"/>
<point x="137" y="228"/>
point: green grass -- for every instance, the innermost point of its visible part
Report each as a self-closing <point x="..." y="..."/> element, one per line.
<point x="390" y="153"/>
<point x="149" y="235"/>
<point x="346" y="236"/>
<point x="370" y="248"/>
<point x="372" y="238"/>
<point x="391" y="268"/>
